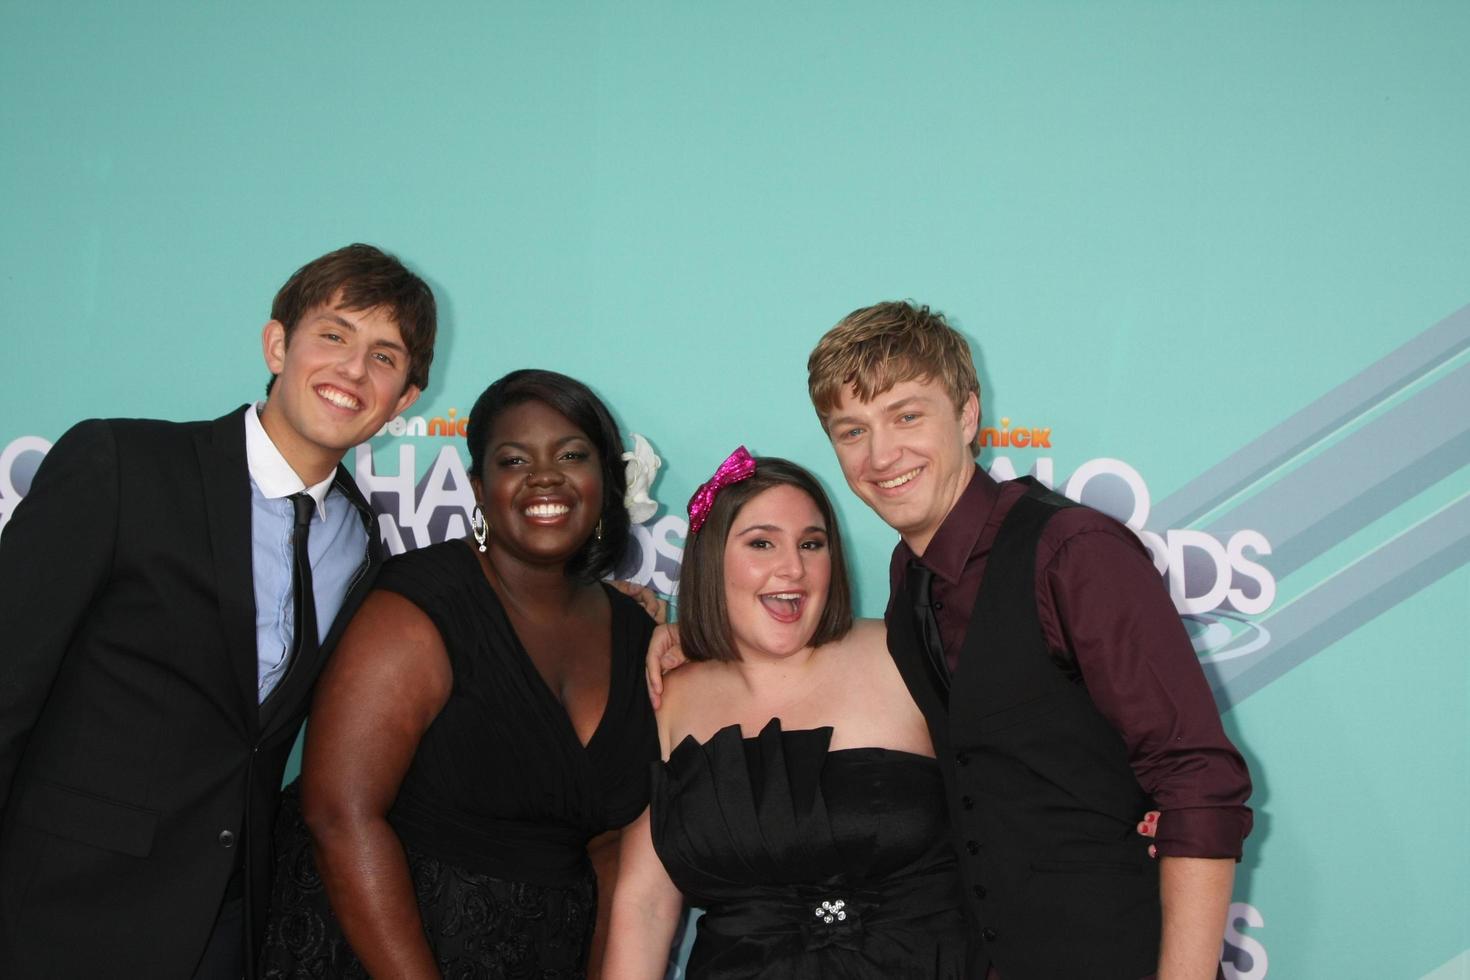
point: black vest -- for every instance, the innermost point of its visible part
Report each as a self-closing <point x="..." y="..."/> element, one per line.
<point x="1043" y="802"/>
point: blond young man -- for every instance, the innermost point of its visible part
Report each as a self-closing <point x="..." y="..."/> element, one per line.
<point x="1061" y="691"/>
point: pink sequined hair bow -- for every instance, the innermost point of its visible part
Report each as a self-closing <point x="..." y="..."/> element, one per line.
<point x="739" y="465"/>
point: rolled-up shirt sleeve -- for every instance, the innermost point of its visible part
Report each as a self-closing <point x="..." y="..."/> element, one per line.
<point x="1101" y="600"/>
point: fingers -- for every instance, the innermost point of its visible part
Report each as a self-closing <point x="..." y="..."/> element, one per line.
<point x="1149" y="827"/>
<point x="651" y="601"/>
<point x="664" y="655"/>
<point x="654" y="664"/>
<point x="655" y="681"/>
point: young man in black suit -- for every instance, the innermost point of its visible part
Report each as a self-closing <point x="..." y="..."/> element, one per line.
<point x="168" y="594"/>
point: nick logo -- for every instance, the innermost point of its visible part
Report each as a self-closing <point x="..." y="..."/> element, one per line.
<point x="1021" y="438"/>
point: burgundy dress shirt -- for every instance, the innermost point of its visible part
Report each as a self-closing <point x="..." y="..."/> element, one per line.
<point x="1104" y="609"/>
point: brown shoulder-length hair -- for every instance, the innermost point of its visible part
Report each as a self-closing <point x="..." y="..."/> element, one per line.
<point x="704" y="618"/>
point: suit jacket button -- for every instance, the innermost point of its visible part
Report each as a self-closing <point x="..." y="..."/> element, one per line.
<point x="226" y="838"/>
<point x="979" y="891"/>
<point x="988" y="934"/>
<point x="967" y="802"/>
<point x="962" y="758"/>
<point x="972" y="846"/>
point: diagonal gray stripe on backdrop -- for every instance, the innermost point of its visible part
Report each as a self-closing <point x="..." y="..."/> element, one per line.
<point x="1412" y="446"/>
<point x="1413" y="360"/>
<point x="1380" y="580"/>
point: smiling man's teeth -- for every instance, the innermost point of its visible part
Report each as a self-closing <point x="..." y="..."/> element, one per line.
<point x="547" y="510"/>
<point x="339" y="398"/>
<point x="899" y="480"/>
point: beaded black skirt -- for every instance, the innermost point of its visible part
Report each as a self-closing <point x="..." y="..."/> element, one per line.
<point x="479" y="927"/>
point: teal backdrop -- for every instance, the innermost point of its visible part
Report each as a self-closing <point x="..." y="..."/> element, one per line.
<point x="1219" y="253"/>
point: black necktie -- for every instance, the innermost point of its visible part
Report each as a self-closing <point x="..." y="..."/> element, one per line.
<point x="920" y="580"/>
<point x="303" y="622"/>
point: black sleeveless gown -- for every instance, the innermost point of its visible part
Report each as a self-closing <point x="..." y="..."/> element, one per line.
<point x="499" y="803"/>
<point x="810" y="862"/>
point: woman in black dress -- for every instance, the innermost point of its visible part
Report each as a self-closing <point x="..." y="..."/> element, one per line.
<point x="800" y="804"/>
<point x="482" y="719"/>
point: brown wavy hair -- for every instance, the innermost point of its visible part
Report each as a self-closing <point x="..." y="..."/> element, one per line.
<point x="363" y="277"/>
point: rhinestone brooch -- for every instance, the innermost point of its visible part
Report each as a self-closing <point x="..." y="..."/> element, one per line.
<point x="831" y="911"/>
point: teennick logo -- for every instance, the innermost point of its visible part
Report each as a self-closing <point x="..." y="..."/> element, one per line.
<point x="448" y="426"/>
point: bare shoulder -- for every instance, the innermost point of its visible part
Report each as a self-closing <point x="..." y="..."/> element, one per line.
<point x="875" y="706"/>
<point x="392" y="645"/>
<point x="390" y="625"/>
<point x="867" y="641"/>
<point x="689" y="691"/>
<point x="690" y="678"/>
<point x="870" y="634"/>
<point x="868" y="650"/>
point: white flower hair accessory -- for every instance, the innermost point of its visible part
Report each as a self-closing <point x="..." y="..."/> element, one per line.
<point x="642" y="465"/>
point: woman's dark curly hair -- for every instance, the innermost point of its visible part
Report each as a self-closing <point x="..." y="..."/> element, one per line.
<point x="596" y="558"/>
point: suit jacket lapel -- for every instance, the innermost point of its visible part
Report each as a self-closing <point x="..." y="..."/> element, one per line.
<point x="226" y="483"/>
<point x="283" y="703"/>
<point x="363" y="582"/>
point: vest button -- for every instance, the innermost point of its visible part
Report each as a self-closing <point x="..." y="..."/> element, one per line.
<point x="962" y="758"/>
<point x="967" y="802"/>
<point x="226" y="838"/>
<point x="972" y="846"/>
<point x="938" y="606"/>
<point x="988" y="934"/>
<point x="979" y="891"/>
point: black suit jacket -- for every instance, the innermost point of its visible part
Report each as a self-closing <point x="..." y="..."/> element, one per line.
<point x="137" y="771"/>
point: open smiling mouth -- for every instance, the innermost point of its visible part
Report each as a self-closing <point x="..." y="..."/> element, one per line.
<point x="547" y="511"/>
<point x="338" y="397"/>
<point x="784" y="606"/>
<point x="899" y="480"/>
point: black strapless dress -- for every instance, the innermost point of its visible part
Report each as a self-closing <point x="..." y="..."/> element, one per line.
<point x="810" y="862"/>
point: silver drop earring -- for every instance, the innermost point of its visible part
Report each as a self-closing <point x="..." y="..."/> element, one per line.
<point x="479" y="527"/>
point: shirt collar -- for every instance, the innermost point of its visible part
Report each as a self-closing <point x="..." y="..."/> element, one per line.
<point x="961" y="529"/>
<point x="273" y="476"/>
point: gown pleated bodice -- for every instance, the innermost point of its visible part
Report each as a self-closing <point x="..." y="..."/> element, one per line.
<point x="810" y="862"/>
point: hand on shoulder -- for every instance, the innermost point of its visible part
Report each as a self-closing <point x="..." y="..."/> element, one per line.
<point x="655" y="605"/>
<point x="664" y="655"/>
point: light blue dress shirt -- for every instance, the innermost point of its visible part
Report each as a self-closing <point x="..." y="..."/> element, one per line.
<point x="337" y="547"/>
